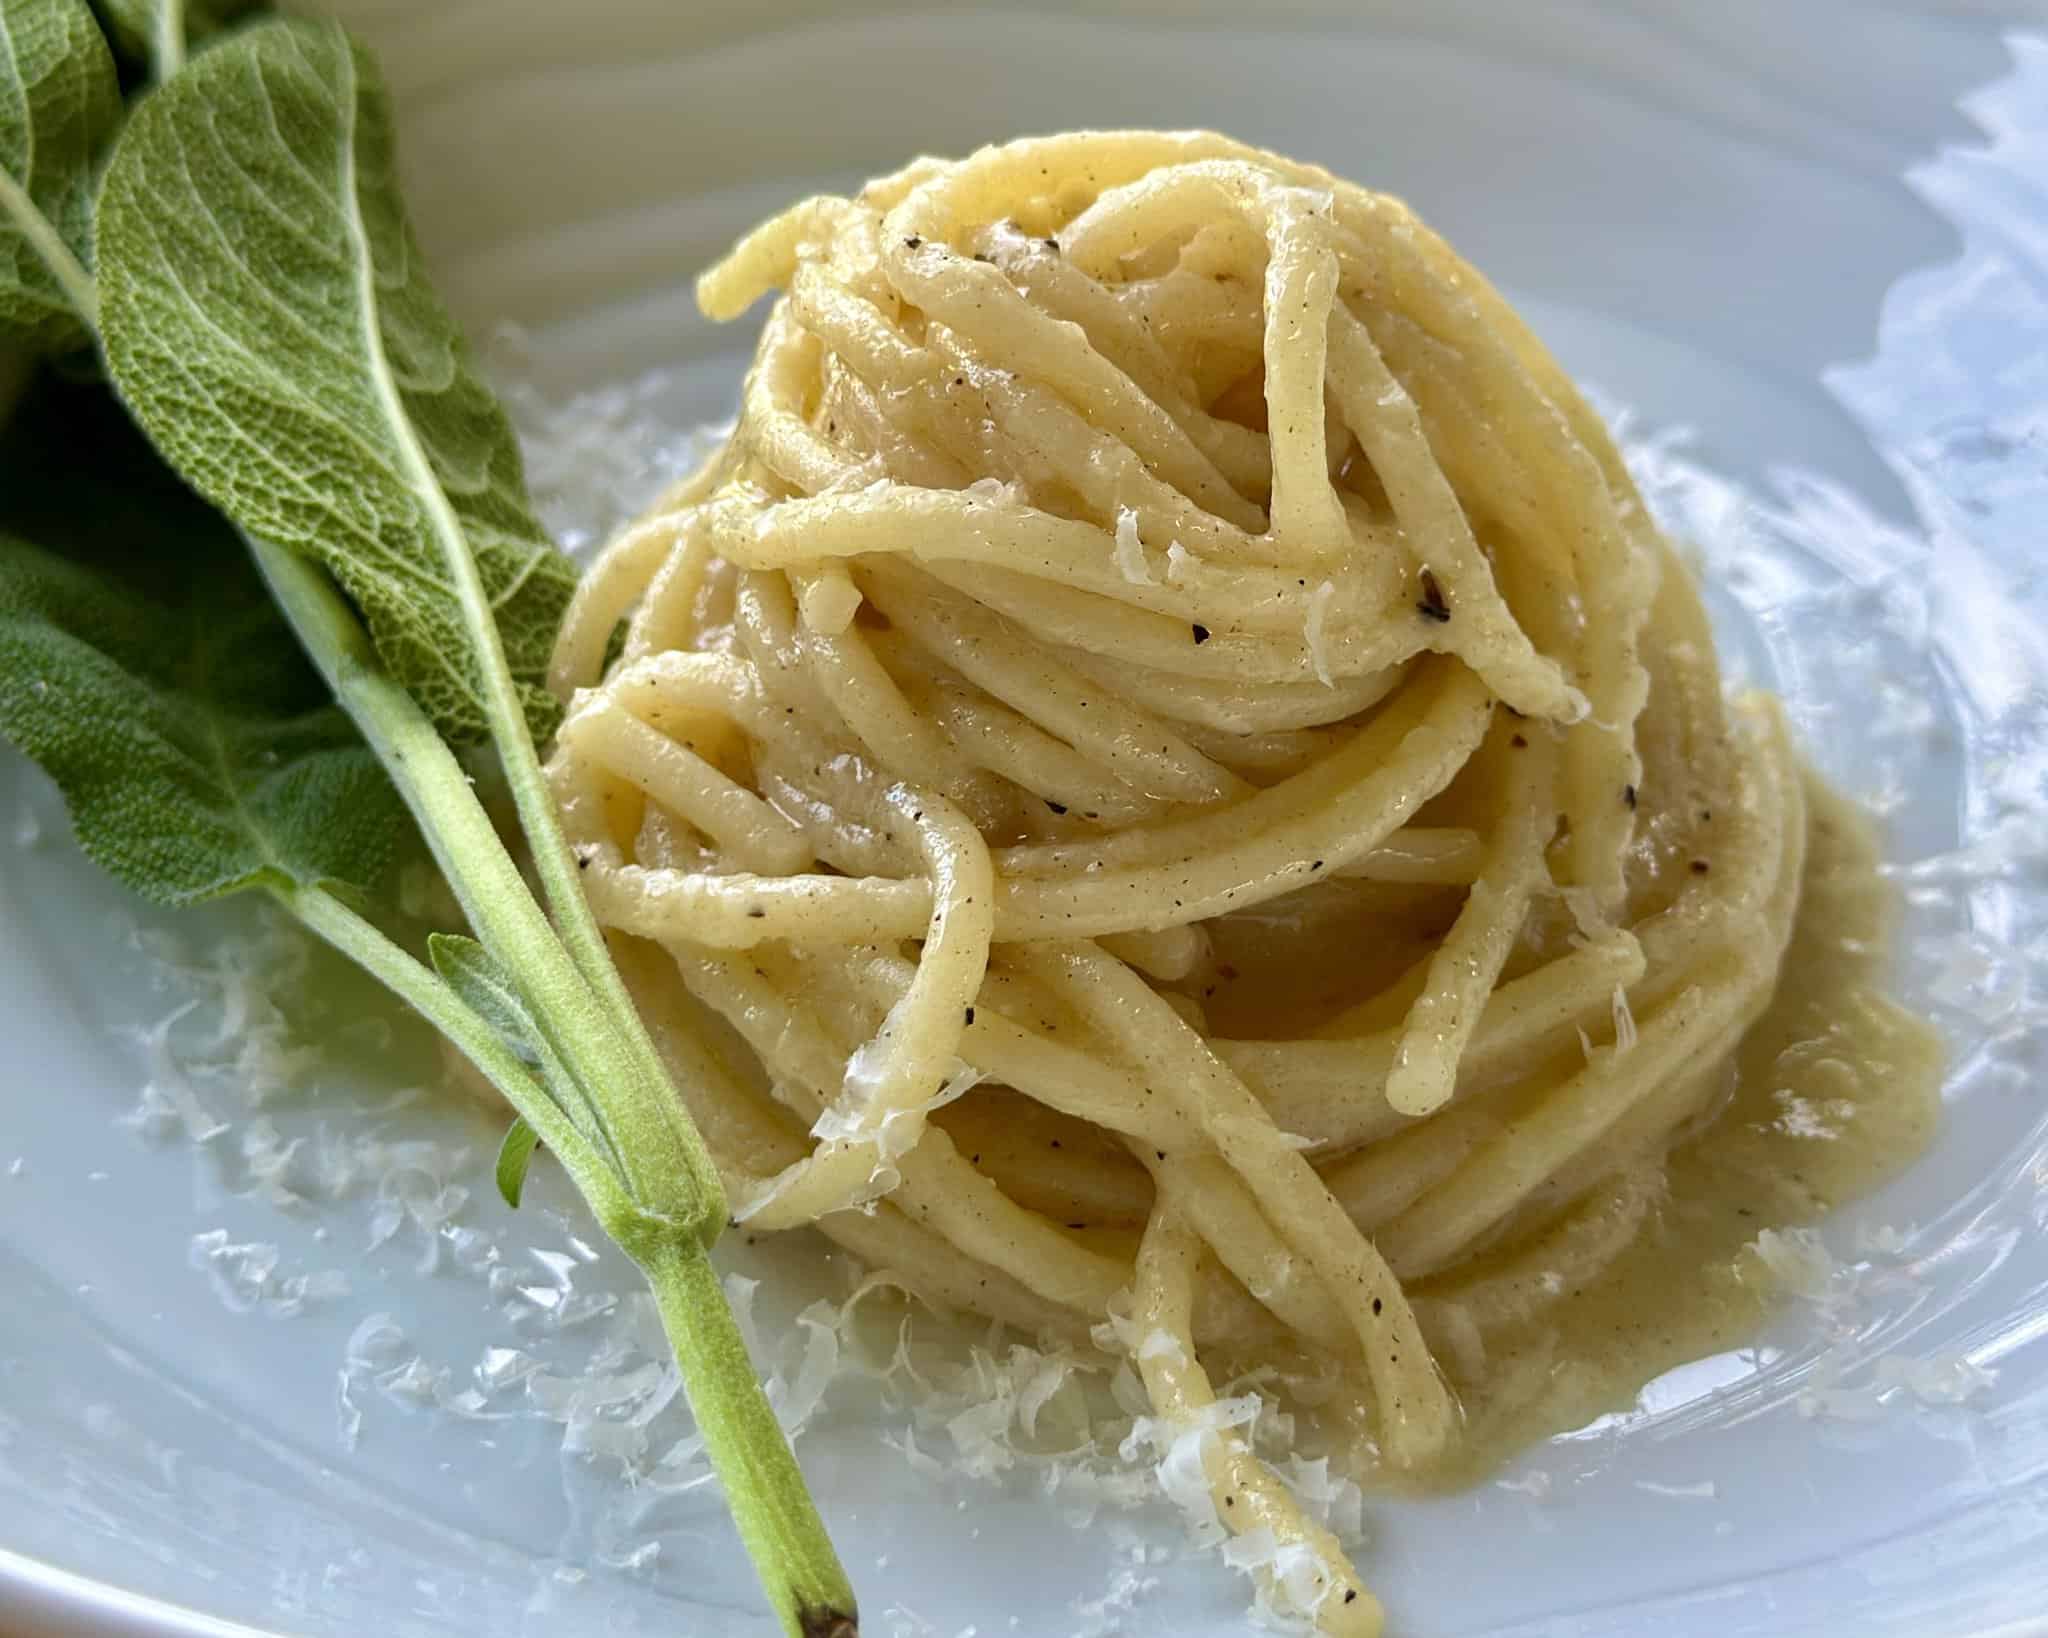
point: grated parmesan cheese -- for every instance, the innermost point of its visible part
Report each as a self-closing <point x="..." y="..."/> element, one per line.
<point x="1947" y="1378"/>
<point x="850" y="1119"/>
<point x="846" y="1118"/>
<point x="1882" y="1240"/>
<point x="168" y="1100"/>
<point x="828" y="602"/>
<point x="1130" y="551"/>
<point x="245" y="1278"/>
<point x="1162" y="1344"/>
<point x="1332" y="1500"/>
<point x="1624" y="1021"/>
<point x="1982" y="979"/>
<point x="1943" y="1380"/>
<point x="1312" y="632"/>
<point x="1104" y="1617"/>
<point x="1797" y="1261"/>
<point x="1289" y="1586"/>
<point x="1117" y="1333"/>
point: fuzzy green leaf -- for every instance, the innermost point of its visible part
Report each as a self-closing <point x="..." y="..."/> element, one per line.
<point x="267" y="318"/>
<point x="489" y="991"/>
<point x="515" y="1154"/>
<point x="59" y="104"/>
<point x="486" y="986"/>
<point x="143" y="664"/>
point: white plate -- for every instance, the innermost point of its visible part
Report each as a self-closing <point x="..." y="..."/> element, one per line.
<point x="1817" y="235"/>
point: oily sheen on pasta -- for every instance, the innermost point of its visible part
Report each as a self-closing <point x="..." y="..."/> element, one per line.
<point x="1163" y="776"/>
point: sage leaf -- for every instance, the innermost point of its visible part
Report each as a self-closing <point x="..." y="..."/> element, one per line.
<point x="266" y="316"/>
<point x="515" y="1154"/>
<point x="487" y="987"/>
<point x="488" y="990"/>
<point x="143" y="664"/>
<point x="59" y="104"/>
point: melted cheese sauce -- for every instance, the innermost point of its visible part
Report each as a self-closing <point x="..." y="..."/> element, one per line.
<point x="1834" y="1090"/>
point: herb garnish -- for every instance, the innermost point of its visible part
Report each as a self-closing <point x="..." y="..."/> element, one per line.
<point x="244" y="267"/>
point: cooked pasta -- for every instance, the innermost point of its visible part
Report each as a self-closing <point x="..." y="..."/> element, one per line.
<point x="1164" y="771"/>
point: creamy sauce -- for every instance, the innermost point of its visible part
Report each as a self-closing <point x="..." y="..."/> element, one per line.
<point x="1835" y="1089"/>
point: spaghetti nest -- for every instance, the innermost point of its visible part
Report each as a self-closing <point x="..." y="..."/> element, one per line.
<point x="1164" y="775"/>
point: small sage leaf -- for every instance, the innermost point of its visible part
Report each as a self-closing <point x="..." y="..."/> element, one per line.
<point x="515" y="1154"/>
<point x="486" y="986"/>
<point x="144" y="666"/>
<point x="488" y="990"/>
<point x="266" y="316"/>
<point x="59" y="105"/>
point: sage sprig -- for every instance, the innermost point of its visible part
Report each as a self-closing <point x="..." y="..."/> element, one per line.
<point x="261" y="306"/>
<point x="268" y="321"/>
